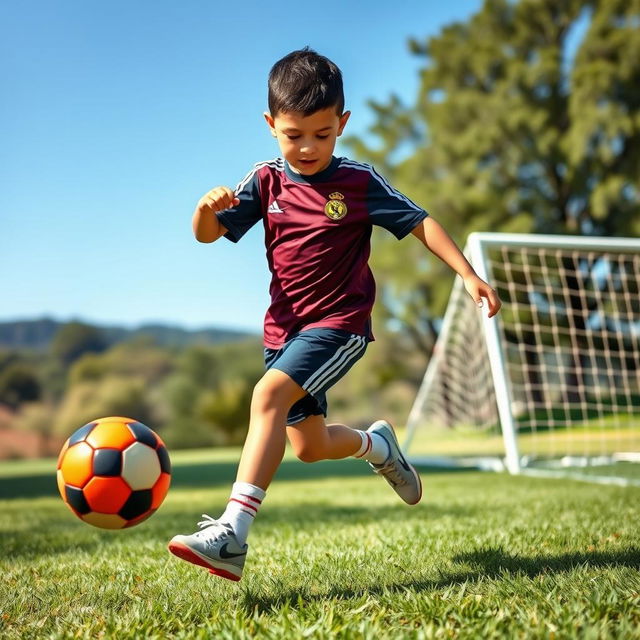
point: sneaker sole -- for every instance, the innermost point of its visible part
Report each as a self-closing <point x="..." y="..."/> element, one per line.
<point x="415" y="473"/>
<point x="411" y="467"/>
<point x="183" y="552"/>
<point x="417" y="477"/>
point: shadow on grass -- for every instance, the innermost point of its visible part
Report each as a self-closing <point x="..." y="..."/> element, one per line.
<point x="486" y="563"/>
<point x="495" y="561"/>
<point x="200" y="475"/>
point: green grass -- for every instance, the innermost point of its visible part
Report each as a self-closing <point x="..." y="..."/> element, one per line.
<point x="334" y="554"/>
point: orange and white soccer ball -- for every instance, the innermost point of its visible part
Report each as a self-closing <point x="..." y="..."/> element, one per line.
<point x="114" y="472"/>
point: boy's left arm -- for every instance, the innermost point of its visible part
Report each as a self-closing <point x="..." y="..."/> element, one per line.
<point x="437" y="240"/>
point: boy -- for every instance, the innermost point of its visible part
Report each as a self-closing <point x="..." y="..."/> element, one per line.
<point x="317" y="212"/>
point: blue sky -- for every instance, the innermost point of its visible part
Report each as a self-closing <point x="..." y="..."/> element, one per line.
<point x="117" y="116"/>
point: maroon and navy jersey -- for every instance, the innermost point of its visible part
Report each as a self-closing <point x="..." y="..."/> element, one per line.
<point x="317" y="237"/>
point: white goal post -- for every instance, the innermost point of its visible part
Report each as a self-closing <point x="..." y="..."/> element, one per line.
<point x="551" y="385"/>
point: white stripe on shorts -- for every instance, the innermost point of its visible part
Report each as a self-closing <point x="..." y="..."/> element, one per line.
<point x="334" y="364"/>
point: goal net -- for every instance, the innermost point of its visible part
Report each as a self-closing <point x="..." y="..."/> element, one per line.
<point x="551" y="385"/>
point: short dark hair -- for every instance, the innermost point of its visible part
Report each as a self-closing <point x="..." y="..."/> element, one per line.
<point x="305" y="82"/>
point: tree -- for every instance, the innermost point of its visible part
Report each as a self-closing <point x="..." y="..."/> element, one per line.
<point x="109" y="396"/>
<point x="74" y="339"/>
<point x="138" y="357"/>
<point x="18" y="384"/>
<point x="37" y="417"/>
<point x="225" y="410"/>
<point x="515" y="128"/>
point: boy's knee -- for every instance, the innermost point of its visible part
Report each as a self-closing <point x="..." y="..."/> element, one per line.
<point x="268" y="394"/>
<point x="265" y="393"/>
<point x="262" y="392"/>
<point x="310" y="454"/>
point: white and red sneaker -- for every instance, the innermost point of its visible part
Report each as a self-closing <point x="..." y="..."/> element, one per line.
<point x="214" y="547"/>
<point x="401" y="475"/>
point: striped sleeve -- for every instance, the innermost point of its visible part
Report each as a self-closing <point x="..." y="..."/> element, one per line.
<point x="238" y="220"/>
<point x="391" y="209"/>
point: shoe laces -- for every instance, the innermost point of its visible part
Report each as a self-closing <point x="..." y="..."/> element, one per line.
<point x="212" y="529"/>
<point x="391" y="472"/>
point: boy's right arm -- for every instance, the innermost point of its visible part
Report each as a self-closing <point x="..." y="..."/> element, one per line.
<point x="205" y="223"/>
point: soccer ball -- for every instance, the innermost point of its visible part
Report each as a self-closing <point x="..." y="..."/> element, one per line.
<point x="114" y="472"/>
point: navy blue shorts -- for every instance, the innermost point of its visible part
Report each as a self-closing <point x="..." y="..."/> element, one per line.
<point x="316" y="359"/>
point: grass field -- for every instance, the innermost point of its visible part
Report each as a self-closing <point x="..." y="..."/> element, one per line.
<point x="334" y="554"/>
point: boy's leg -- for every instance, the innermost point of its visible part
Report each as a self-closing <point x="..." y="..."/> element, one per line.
<point x="264" y="445"/>
<point x="325" y="359"/>
<point x="221" y="544"/>
<point x="312" y="441"/>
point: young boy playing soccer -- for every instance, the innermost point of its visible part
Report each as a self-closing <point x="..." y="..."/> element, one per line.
<point x="318" y="212"/>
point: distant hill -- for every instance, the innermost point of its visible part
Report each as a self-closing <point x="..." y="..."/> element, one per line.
<point x="37" y="334"/>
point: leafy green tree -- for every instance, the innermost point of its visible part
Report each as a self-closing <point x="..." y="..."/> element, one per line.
<point x="226" y="409"/>
<point x="75" y="339"/>
<point x="207" y="396"/>
<point x="110" y="396"/>
<point x="520" y="126"/>
<point x="89" y="367"/>
<point x="202" y="365"/>
<point x="38" y="417"/>
<point x="139" y="357"/>
<point x="18" y="384"/>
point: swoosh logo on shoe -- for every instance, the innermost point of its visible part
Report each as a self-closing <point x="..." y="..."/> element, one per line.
<point x="400" y="457"/>
<point x="404" y="463"/>
<point x="226" y="555"/>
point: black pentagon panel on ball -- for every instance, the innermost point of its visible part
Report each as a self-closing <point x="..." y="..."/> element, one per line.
<point x="76" y="499"/>
<point x="107" y="462"/>
<point x="81" y="434"/>
<point x="143" y="434"/>
<point x="135" y="521"/>
<point x="138" y="503"/>
<point x="163" y="456"/>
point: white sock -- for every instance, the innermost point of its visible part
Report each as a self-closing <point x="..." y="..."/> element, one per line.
<point x="374" y="448"/>
<point x="243" y="505"/>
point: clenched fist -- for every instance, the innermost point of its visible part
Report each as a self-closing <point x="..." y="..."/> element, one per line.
<point x="218" y="199"/>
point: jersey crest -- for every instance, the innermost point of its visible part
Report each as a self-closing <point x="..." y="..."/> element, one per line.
<point x="335" y="208"/>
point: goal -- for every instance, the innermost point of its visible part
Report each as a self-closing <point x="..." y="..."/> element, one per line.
<point x="549" y="386"/>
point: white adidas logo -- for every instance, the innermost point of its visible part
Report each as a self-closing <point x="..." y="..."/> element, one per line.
<point x="274" y="207"/>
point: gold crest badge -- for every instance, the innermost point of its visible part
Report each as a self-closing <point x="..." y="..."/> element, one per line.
<point x="335" y="209"/>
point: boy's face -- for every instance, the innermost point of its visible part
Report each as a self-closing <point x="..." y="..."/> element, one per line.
<point x="307" y="142"/>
